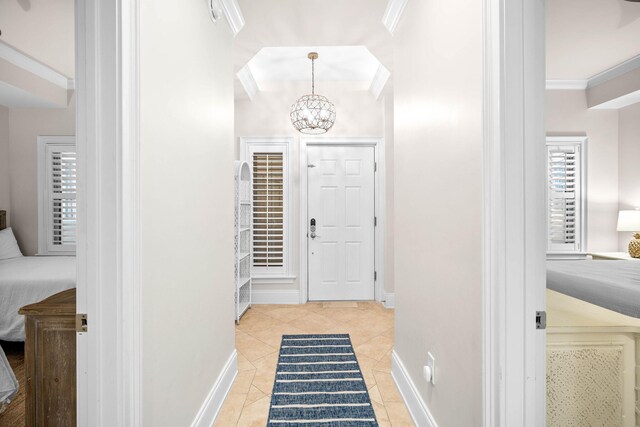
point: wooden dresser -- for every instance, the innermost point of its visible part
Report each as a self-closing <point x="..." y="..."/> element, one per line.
<point x="50" y="361"/>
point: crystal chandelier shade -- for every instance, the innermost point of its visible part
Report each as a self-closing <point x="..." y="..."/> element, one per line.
<point x="313" y="114"/>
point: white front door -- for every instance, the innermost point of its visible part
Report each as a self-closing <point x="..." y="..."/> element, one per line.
<point x="341" y="207"/>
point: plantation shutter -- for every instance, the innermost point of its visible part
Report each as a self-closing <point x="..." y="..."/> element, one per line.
<point x="564" y="198"/>
<point x="268" y="211"/>
<point x="62" y="209"/>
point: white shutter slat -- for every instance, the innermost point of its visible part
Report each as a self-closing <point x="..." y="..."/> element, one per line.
<point x="564" y="197"/>
<point x="62" y="171"/>
<point x="268" y="209"/>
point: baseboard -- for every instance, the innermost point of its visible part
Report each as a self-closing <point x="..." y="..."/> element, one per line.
<point x="270" y="296"/>
<point x="389" y="300"/>
<point x="417" y="408"/>
<point x="212" y="404"/>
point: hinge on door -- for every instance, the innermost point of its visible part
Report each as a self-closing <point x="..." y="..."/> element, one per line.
<point x="81" y="322"/>
<point x="375" y="221"/>
<point x="375" y="166"/>
<point x="541" y="320"/>
<point x="375" y="276"/>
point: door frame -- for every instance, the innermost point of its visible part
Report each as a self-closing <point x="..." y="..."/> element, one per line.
<point x="514" y="285"/>
<point x="109" y="354"/>
<point x="379" y="179"/>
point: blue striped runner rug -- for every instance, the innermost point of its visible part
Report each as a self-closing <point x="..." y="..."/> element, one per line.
<point x="319" y="384"/>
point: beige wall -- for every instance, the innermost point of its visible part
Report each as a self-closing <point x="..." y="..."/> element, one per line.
<point x="438" y="203"/>
<point x="186" y="196"/>
<point x="25" y="125"/>
<point x="567" y="115"/>
<point x="5" y="177"/>
<point x="358" y="114"/>
<point x="44" y="29"/>
<point x="629" y="164"/>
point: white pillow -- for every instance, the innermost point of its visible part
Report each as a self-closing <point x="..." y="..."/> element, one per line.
<point x="8" y="245"/>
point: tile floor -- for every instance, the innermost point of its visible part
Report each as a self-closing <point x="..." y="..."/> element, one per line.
<point x="258" y="341"/>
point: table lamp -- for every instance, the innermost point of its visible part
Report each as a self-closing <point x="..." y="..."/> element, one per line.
<point x="630" y="221"/>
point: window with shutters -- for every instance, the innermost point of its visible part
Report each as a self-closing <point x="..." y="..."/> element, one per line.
<point x="566" y="197"/>
<point x="269" y="160"/>
<point x="57" y="186"/>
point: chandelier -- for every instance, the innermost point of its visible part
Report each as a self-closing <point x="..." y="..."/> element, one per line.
<point x="313" y="114"/>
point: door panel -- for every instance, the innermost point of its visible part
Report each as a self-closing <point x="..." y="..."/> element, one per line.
<point x="341" y="199"/>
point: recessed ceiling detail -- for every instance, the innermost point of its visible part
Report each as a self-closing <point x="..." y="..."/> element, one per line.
<point x="586" y="37"/>
<point x="336" y="64"/>
<point x="26" y="82"/>
<point x="393" y="13"/>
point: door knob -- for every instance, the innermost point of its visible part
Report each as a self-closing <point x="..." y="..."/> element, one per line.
<point x="313" y="235"/>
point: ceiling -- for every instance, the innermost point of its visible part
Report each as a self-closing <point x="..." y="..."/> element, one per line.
<point x="43" y="29"/>
<point x="587" y="37"/>
<point x="13" y="97"/>
<point x="37" y="50"/>
<point x="335" y="63"/>
<point x="349" y="36"/>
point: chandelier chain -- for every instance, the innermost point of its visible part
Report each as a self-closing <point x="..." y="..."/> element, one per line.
<point x="313" y="76"/>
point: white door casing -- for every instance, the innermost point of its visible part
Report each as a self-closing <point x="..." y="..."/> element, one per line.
<point x="109" y="354"/>
<point x="341" y="201"/>
<point x="514" y="184"/>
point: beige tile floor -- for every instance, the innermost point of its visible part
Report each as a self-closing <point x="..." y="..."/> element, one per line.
<point x="258" y="337"/>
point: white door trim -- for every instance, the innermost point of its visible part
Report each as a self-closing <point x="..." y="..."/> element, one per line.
<point x="514" y="185"/>
<point x="109" y="354"/>
<point x="378" y="145"/>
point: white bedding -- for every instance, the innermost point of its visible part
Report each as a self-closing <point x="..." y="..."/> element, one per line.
<point x="26" y="280"/>
<point x="614" y="285"/>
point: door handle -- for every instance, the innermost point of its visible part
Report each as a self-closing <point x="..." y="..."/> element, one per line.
<point x="312" y="228"/>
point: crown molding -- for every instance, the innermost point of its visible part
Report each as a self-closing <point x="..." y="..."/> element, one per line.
<point x="614" y="72"/>
<point x="35" y="67"/>
<point x="566" y="84"/>
<point x="393" y="13"/>
<point x="248" y="82"/>
<point x="603" y="77"/>
<point x="232" y="12"/>
<point x="379" y="81"/>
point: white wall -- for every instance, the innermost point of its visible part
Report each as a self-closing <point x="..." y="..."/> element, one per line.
<point x="25" y="125"/>
<point x="186" y="192"/>
<point x="629" y="164"/>
<point x="567" y="115"/>
<point x="5" y="177"/>
<point x="358" y="114"/>
<point x="389" y="235"/>
<point x="438" y="85"/>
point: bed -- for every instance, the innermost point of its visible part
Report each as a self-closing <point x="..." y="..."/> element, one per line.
<point x="614" y="285"/>
<point x="23" y="281"/>
<point x="593" y="343"/>
<point x="27" y="280"/>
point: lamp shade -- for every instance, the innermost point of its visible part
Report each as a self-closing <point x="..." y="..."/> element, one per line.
<point x="629" y="221"/>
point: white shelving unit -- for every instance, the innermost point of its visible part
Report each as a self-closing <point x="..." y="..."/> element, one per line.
<point x="243" y="238"/>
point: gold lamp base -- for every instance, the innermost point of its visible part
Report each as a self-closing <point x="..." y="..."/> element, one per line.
<point x="634" y="246"/>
